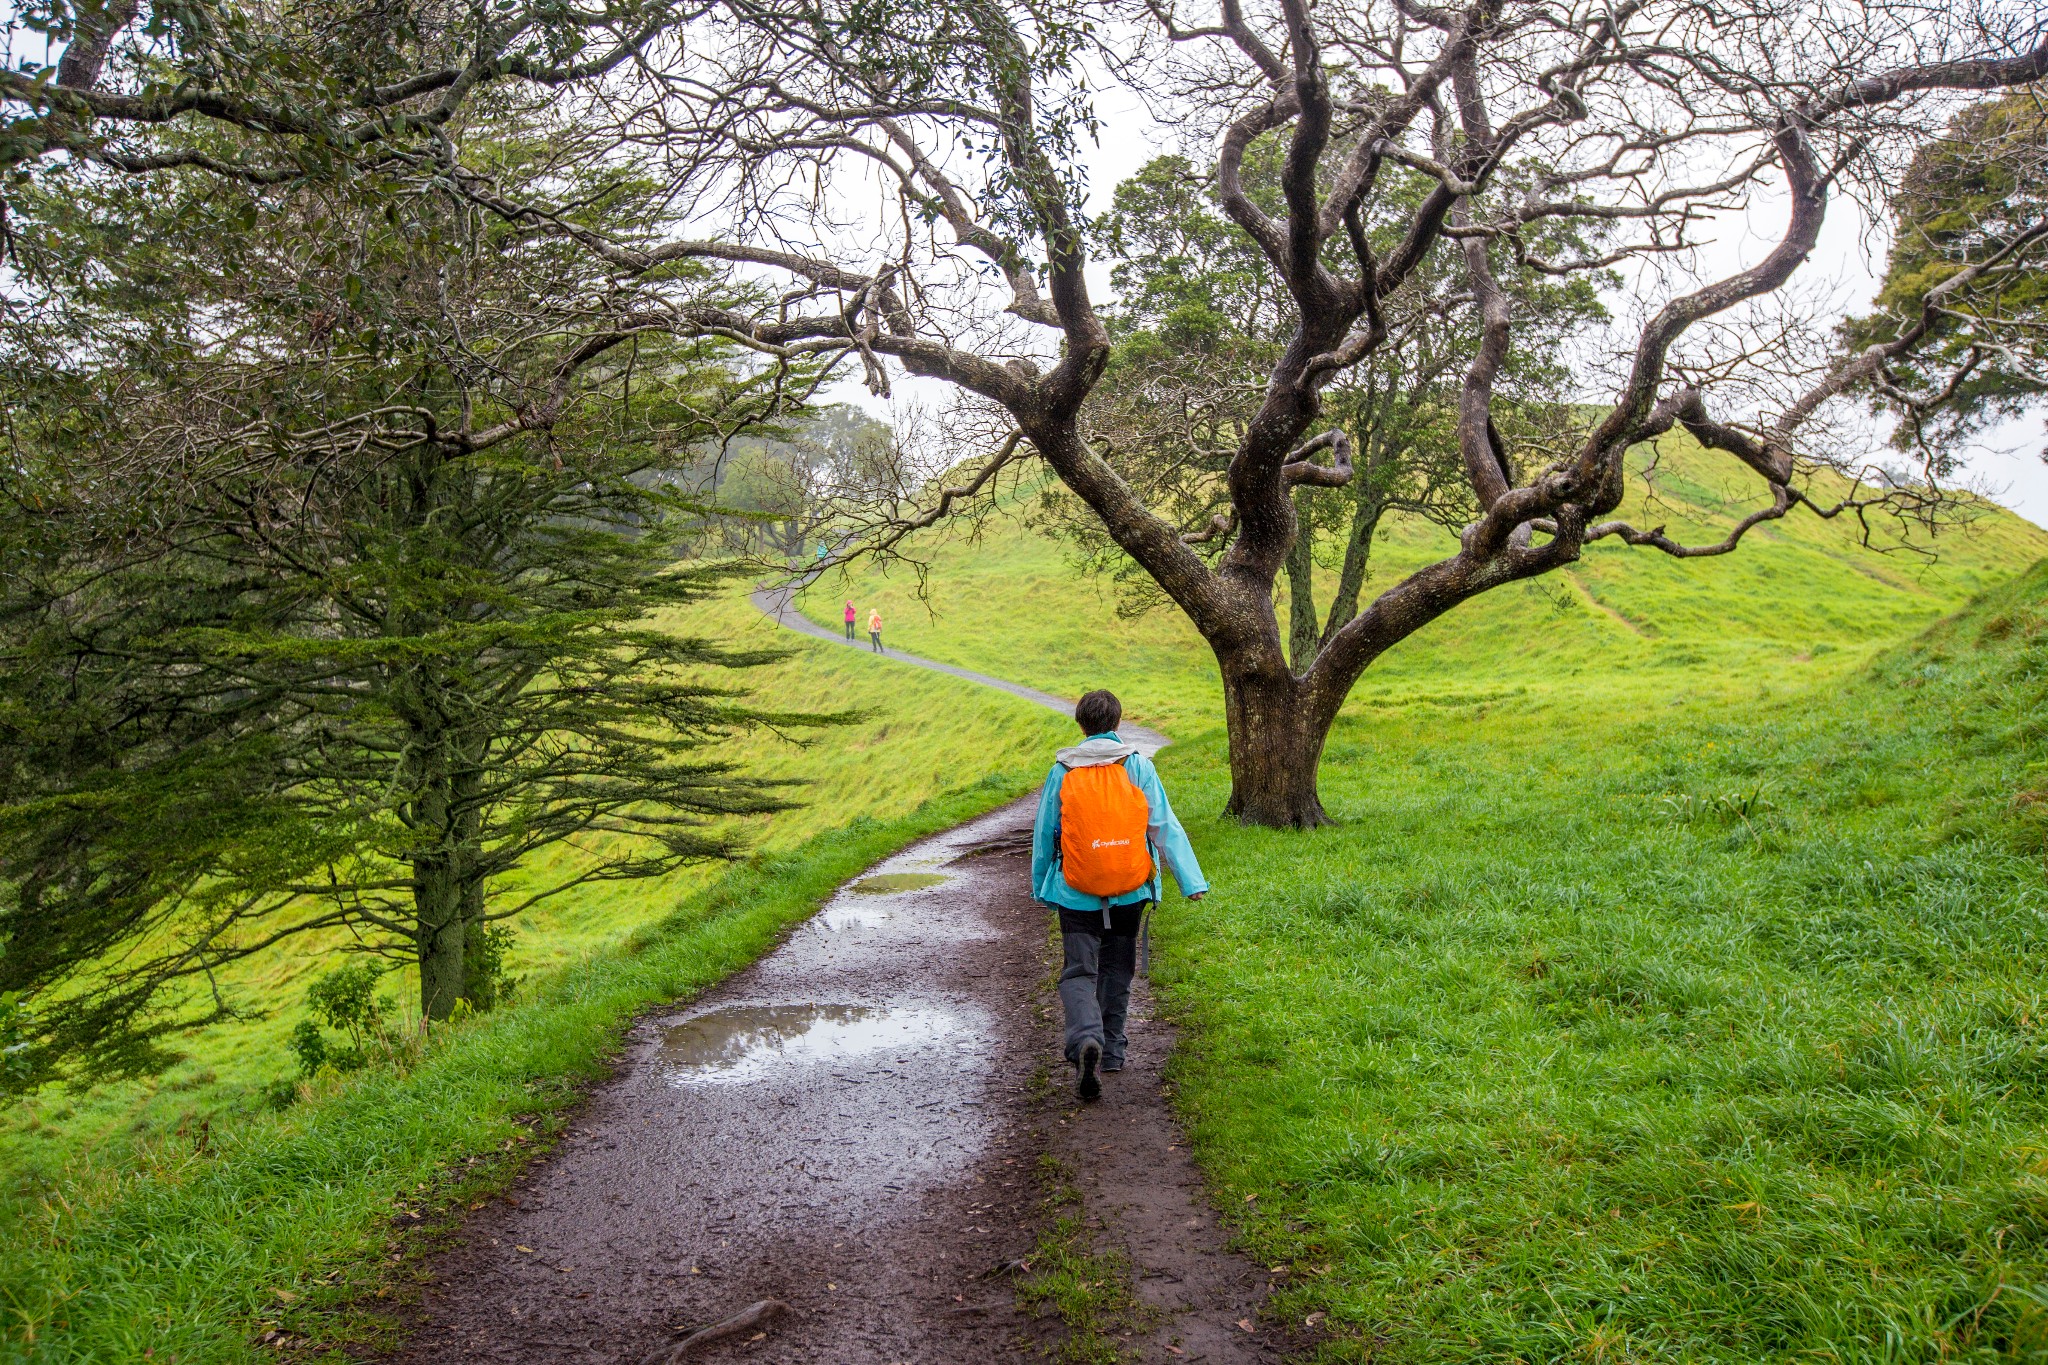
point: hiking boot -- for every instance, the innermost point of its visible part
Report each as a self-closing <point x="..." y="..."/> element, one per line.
<point x="1090" y="1085"/>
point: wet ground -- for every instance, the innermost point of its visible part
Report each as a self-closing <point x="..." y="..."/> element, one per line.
<point x="854" y="1126"/>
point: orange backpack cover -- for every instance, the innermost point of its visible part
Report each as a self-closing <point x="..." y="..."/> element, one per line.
<point x="1103" y="851"/>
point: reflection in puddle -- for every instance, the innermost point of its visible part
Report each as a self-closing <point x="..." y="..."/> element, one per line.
<point x="853" y="915"/>
<point x="746" y="1042"/>
<point x="889" y="883"/>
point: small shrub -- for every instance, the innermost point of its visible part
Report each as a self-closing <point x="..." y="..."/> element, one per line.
<point x="346" y="1000"/>
<point x="309" y="1045"/>
<point x="15" y="1072"/>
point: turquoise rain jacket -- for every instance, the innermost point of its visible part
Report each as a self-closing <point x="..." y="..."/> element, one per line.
<point x="1170" y="847"/>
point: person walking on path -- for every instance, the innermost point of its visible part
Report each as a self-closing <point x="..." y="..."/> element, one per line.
<point x="1104" y="826"/>
<point x="875" y="628"/>
<point x="850" y="615"/>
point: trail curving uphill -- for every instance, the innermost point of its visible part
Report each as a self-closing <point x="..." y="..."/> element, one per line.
<point x="853" y="1133"/>
<point x="775" y="604"/>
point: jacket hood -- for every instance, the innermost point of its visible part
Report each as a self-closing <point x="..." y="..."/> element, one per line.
<point x="1093" y="753"/>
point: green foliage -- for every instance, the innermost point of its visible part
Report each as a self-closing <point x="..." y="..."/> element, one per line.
<point x="487" y="982"/>
<point x="926" y="737"/>
<point x="309" y="1045"/>
<point x="346" y="1001"/>
<point x="347" y="642"/>
<point x="1199" y="324"/>
<point x="776" y="492"/>
<point x="1969" y="195"/>
<point x="15" y="1043"/>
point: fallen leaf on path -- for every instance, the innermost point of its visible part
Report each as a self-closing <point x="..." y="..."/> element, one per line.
<point x="1245" y="1323"/>
<point x="284" y="1294"/>
<point x="1313" y="1318"/>
<point x="527" y="1250"/>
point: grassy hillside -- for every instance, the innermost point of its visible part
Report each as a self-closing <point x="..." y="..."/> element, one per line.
<point x="924" y="736"/>
<point x="1799" y="596"/>
<point x="1606" y="1034"/>
<point x="1670" y="988"/>
<point x="1665" y="993"/>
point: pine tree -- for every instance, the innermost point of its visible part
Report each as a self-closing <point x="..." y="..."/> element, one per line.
<point x="341" y="539"/>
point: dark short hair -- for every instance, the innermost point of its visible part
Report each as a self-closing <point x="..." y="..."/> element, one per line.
<point x="1097" y="712"/>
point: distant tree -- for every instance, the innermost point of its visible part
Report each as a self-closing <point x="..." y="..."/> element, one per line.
<point x="1973" y="200"/>
<point x="787" y="484"/>
<point x="339" y="534"/>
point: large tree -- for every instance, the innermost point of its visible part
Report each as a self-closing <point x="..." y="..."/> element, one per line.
<point x="959" y="124"/>
<point x="338" y="522"/>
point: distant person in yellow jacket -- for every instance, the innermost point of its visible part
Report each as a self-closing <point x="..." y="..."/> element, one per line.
<point x="875" y="628"/>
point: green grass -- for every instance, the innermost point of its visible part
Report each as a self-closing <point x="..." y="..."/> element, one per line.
<point x="1089" y="1289"/>
<point x="284" y="1219"/>
<point x="1670" y="989"/>
<point x="168" y="1213"/>
<point x="1535" y="1058"/>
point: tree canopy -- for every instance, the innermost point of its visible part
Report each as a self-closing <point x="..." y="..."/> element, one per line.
<point x="1197" y="327"/>
<point x="1970" y="208"/>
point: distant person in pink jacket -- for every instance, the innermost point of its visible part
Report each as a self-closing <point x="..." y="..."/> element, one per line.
<point x="875" y="629"/>
<point x="850" y="614"/>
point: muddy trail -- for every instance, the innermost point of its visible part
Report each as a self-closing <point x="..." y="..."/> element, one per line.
<point x="863" y="1131"/>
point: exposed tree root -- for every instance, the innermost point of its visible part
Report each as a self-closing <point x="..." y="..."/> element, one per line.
<point x="753" y="1315"/>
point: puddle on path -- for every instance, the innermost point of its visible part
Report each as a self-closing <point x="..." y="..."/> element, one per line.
<point x="854" y="915"/>
<point x="890" y="883"/>
<point x="750" y="1042"/>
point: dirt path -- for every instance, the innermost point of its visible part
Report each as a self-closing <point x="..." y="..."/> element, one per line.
<point x="775" y="604"/>
<point x="853" y="1126"/>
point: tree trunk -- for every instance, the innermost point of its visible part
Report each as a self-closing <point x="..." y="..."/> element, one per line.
<point x="1302" y="625"/>
<point x="479" y="974"/>
<point x="1276" y="745"/>
<point x="437" y="910"/>
<point x="1351" y="578"/>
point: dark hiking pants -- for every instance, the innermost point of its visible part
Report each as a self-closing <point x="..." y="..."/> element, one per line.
<point x="849" y="630"/>
<point x="1095" y="982"/>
